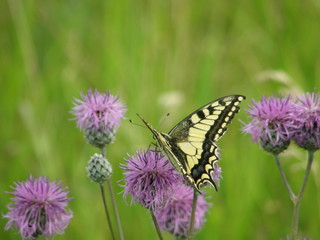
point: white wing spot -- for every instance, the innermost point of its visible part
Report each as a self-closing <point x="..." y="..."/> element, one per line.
<point x="205" y="112"/>
<point x="219" y="108"/>
<point x="212" y="159"/>
<point x="214" y="104"/>
<point x="204" y="176"/>
<point x="203" y="127"/>
<point x="217" y="136"/>
<point x="195" y="118"/>
<point x="213" y="117"/>
<point x="194" y="132"/>
<point x="190" y="163"/>
<point x="207" y="121"/>
<point x="208" y="167"/>
<point x="217" y="112"/>
<point x="212" y="148"/>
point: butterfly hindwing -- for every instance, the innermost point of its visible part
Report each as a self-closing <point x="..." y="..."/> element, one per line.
<point x="199" y="159"/>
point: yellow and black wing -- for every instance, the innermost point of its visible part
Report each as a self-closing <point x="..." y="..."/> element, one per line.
<point x="193" y="139"/>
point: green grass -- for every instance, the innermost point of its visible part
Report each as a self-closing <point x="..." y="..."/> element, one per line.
<point x="53" y="50"/>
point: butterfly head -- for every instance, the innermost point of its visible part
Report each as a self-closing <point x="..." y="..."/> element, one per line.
<point x="158" y="136"/>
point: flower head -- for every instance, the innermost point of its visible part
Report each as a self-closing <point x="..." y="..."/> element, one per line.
<point x="99" y="169"/>
<point x="38" y="208"/>
<point x="99" y="115"/>
<point x="271" y="124"/>
<point x="175" y="216"/>
<point x="150" y="178"/>
<point x="306" y="116"/>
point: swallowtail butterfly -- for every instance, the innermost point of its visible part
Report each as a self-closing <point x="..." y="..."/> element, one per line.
<point x="190" y="145"/>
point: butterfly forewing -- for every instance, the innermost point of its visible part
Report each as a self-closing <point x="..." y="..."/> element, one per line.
<point x="196" y="134"/>
<point x="210" y="119"/>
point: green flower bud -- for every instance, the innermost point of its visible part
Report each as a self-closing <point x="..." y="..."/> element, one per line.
<point x="99" y="169"/>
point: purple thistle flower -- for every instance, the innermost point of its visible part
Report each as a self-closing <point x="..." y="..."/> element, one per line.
<point x="175" y="216"/>
<point x="306" y="115"/>
<point x="97" y="110"/>
<point x="216" y="174"/>
<point x="271" y="125"/>
<point x="38" y="208"/>
<point x="150" y="178"/>
<point x="99" y="115"/>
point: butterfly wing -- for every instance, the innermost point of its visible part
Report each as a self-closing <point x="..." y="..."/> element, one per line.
<point x="193" y="139"/>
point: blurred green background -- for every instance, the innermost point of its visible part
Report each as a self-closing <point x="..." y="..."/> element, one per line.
<point x="159" y="56"/>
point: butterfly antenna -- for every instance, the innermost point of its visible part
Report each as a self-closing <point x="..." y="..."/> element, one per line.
<point x="137" y="124"/>
<point x="163" y="119"/>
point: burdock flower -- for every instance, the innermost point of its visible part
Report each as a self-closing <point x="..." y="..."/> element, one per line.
<point x="271" y="125"/>
<point x="306" y="115"/>
<point x="175" y="216"/>
<point x="38" y="208"/>
<point x="99" y="115"/>
<point x="150" y="178"/>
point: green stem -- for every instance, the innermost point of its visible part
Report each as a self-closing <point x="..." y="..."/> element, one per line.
<point x="297" y="200"/>
<point x="155" y="222"/>
<point x="284" y="178"/>
<point x="103" y="152"/>
<point x="106" y="210"/>
<point x="113" y="201"/>
<point x="115" y="209"/>
<point x="193" y="213"/>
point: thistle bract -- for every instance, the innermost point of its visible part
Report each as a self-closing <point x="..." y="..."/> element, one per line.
<point x="99" y="169"/>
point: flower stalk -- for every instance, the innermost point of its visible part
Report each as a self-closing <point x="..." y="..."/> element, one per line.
<point x="193" y="213"/>
<point x="113" y="200"/>
<point x="106" y="210"/>
<point x="156" y="224"/>
<point x="298" y="198"/>
<point x="284" y="178"/>
<point x="115" y="209"/>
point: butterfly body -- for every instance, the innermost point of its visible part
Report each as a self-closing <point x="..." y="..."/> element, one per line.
<point x="190" y="145"/>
